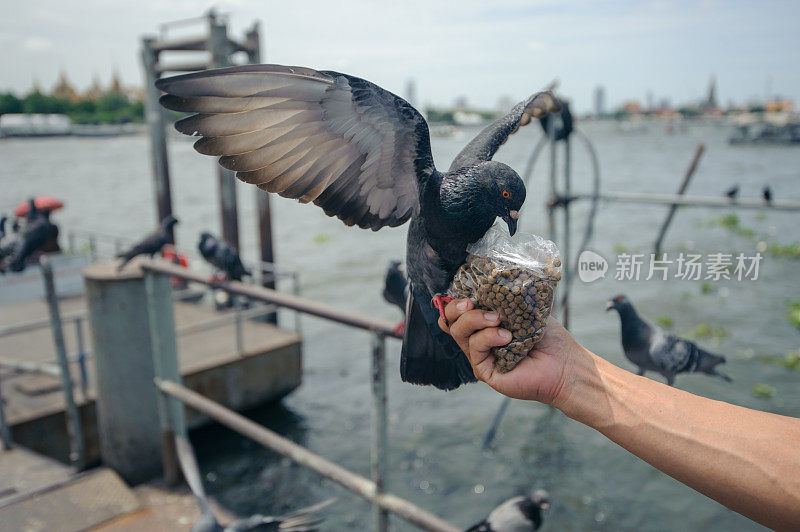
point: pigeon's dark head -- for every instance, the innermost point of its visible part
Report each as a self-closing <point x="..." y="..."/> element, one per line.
<point x="205" y="236"/>
<point x="618" y="303"/>
<point x="475" y="196"/>
<point x="168" y="222"/>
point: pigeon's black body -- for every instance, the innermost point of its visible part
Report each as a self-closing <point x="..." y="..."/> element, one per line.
<point x="38" y="230"/>
<point x="222" y="256"/>
<point x="3" y="221"/>
<point x="651" y="348"/>
<point x="732" y="192"/>
<point x="395" y="286"/>
<point x="766" y="193"/>
<point x="362" y="154"/>
<point x="151" y="244"/>
<point x="520" y="514"/>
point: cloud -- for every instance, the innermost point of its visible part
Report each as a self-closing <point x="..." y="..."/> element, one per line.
<point x="36" y="44"/>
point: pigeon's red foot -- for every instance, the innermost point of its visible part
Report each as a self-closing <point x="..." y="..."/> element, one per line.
<point x="400" y="328"/>
<point x="216" y="279"/>
<point x="439" y="301"/>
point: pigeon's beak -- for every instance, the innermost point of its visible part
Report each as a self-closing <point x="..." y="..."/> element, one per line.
<point x="609" y="305"/>
<point x="511" y="219"/>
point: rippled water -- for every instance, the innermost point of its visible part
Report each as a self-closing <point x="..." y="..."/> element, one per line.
<point x="435" y="436"/>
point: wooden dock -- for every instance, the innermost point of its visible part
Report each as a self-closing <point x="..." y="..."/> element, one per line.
<point x="269" y="367"/>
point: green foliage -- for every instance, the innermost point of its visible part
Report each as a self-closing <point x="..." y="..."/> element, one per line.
<point x="794" y="312"/>
<point x="791" y="251"/>
<point x="704" y="330"/>
<point x="321" y="238"/>
<point x="620" y="248"/>
<point x="114" y="107"/>
<point x="762" y="390"/>
<point x="731" y="223"/>
<point x="706" y="288"/>
<point x="790" y="361"/>
<point x="665" y="321"/>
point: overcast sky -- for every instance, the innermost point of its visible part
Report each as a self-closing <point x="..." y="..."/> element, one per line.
<point x="481" y="49"/>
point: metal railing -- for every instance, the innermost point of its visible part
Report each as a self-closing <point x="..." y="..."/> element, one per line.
<point x="175" y="395"/>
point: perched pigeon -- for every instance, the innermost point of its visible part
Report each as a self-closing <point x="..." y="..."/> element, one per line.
<point x="303" y="520"/>
<point x="3" y="221"/>
<point x="222" y="256"/>
<point x="151" y="244"/>
<point x="363" y="155"/>
<point x="36" y="233"/>
<point x="395" y="285"/>
<point x="520" y="514"/>
<point x="652" y="349"/>
<point x="395" y="290"/>
<point x="732" y="192"/>
<point x="766" y="193"/>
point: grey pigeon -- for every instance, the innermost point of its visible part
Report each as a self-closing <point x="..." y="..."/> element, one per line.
<point x="222" y="256"/>
<point x="766" y="193"/>
<point x="651" y="348"/>
<point x="362" y="154"/>
<point x="732" y="192"/>
<point x="304" y="520"/>
<point x="151" y="244"/>
<point x="3" y="221"/>
<point x="36" y="233"/>
<point x="520" y="514"/>
<point x="395" y="285"/>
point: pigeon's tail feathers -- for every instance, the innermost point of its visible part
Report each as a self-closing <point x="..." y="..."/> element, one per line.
<point x="429" y="356"/>
<point x="126" y="258"/>
<point x="708" y="362"/>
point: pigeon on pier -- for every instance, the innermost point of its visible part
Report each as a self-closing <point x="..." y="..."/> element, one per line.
<point x="732" y="192"/>
<point x="33" y="237"/>
<point x="151" y="244"/>
<point x="222" y="256"/>
<point x="395" y="289"/>
<point x="363" y="154"/>
<point x="766" y="193"/>
<point x="650" y="348"/>
<point x="520" y="514"/>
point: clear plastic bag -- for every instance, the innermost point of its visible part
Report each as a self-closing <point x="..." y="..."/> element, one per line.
<point x="515" y="277"/>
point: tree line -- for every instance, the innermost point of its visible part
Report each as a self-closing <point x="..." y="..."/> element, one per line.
<point x="109" y="108"/>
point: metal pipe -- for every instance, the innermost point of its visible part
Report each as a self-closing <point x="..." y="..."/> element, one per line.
<point x="281" y="299"/>
<point x="693" y="201"/>
<point x="356" y="483"/>
<point x="237" y="305"/>
<point x="82" y="358"/>
<point x="674" y="207"/>
<point x="5" y="432"/>
<point x="551" y="207"/>
<point x="379" y="433"/>
<point x="38" y="324"/>
<point x="77" y="454"/>
<point x="47" y="368"/>
<point x="93" y="248"/>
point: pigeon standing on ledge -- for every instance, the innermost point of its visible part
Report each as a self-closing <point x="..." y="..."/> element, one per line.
<point x="732" y="192"/>
<point x="520" y="514"/>
<point x="222" y="256"/>
<point x="363" y="154"/>
<point x="650" y="348"/>
<point x="766" y="193"/>
<point x="151" y="244"/>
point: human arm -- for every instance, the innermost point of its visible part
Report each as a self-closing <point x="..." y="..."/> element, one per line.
<point x="744" y="459"/>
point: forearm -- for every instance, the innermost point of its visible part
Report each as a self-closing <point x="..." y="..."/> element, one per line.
<point x="745" y="459"/>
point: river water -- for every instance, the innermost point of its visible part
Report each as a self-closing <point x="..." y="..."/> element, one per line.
<point x="435" y="437"/>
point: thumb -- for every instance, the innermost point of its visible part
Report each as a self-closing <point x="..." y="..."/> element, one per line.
<point x="479" y="352"/>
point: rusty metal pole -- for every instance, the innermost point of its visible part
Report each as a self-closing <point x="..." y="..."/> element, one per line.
<point x="674" y="207"/>
<point x="380" y="521"/>
<point x="220" y="49"/>
<point x="154" y="116"/>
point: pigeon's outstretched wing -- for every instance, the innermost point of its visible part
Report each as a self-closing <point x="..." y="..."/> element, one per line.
<point x="485" y="145"/>
<point x="351" y="147"/>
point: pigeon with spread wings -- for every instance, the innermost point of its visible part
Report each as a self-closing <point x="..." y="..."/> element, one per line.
<point x="363" y="155"/>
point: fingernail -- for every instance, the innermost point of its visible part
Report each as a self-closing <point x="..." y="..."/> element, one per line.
<point x="504" y="334"/>
<point x="490" y="316"/>
<point x="462" y="305"/>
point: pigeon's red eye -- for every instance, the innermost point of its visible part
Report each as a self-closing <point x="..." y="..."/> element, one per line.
<point x="506" y="194"/>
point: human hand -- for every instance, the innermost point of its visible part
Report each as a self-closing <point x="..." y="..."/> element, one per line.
<point x="544" y="375"/>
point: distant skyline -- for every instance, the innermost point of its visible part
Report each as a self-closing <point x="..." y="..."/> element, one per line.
<point x="481" y="50"/>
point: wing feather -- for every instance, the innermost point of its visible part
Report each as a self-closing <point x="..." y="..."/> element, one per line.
<point x="355" y="150"/>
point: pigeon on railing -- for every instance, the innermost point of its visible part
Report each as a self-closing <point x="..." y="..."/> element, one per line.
<point x="651" y="348"/>
<point x="150" y="244"/>
<point x="363" y="155"/>
<point x="222" y="256"/>
<point x="520" y="514"/>
<point x="395" y="289"/>
<point x="36" y="233"/>
<point x="732" y="192"/>
<point x="766" y="193"/>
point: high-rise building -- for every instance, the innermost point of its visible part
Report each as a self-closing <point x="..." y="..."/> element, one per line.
<point x="599" y="100"/>
<point x="411" y="92"/>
